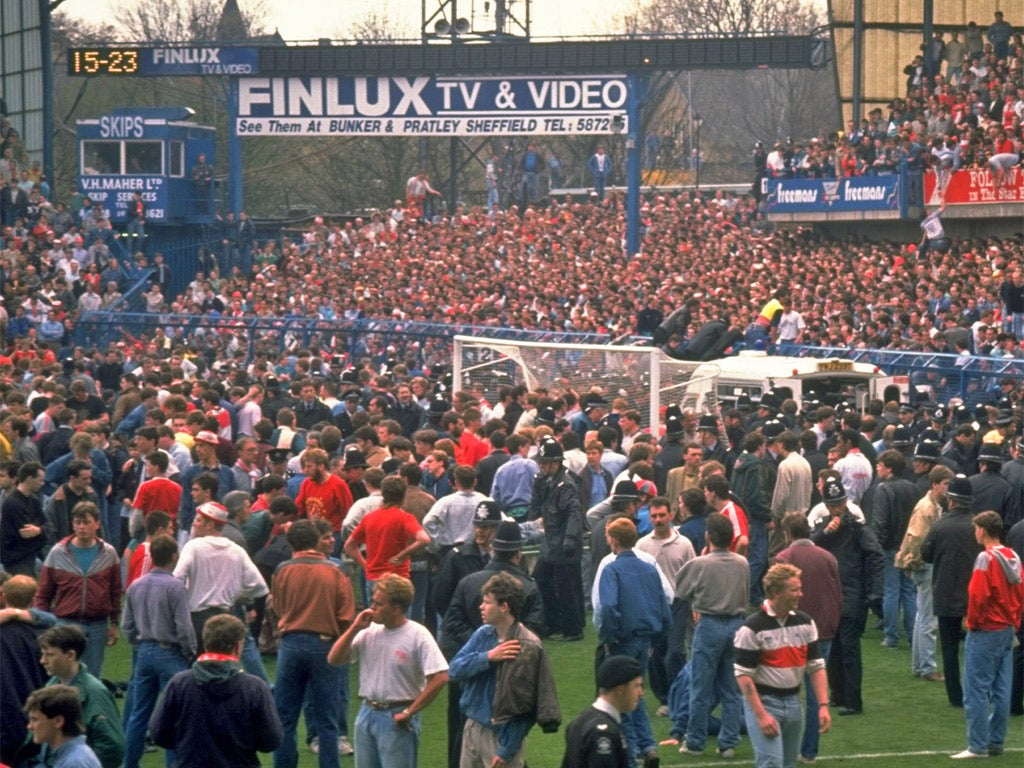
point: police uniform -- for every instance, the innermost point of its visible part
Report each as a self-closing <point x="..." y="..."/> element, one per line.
<point x="595" y="739"/>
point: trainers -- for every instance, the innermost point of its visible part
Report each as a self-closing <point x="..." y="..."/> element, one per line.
<point x="934" y="677"/>
<point x="662" y="711"/>
<point x="728" y="753"/>
<point x="967" y="755"/>
<point x="344" y="747"/>
<point x="995" y="751"/>
<point x="805" y="760"/>
<point x="314" y="745"/>
<point x="887" y="644"/>
<point x="686" y="749"/>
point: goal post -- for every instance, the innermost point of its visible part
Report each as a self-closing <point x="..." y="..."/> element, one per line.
<point x="644" y="376"/>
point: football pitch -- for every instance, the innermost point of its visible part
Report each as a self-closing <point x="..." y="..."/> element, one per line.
<point x="907" y="722"/>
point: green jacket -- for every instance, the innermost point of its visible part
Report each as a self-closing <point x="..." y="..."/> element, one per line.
<point x="103" y="730"/>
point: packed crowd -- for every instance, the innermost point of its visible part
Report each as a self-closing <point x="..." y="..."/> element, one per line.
<point x="963" y="108"/>
<point x="432" y="497"/>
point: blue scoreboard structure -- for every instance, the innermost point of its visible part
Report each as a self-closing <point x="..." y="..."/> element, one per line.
<point x="153" y="151"/>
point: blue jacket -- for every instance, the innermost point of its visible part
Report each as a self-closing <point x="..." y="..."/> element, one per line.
<point x="633" y="603"/>
<point x="471" y="669"/>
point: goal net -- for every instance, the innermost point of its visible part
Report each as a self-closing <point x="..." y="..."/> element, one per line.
<point x="645" y="377"/>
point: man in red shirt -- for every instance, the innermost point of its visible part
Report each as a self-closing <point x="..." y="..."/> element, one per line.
<point x="391" y="535"/>
<point x="994" y="598"/>
<point x="323" y="494"/>
<point x="716" y="493"/>
<point x="157" y="492"/>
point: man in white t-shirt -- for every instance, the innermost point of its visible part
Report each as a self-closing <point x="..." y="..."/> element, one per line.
<point x="401" y="671"/>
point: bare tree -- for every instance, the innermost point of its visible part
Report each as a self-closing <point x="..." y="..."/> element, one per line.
<point x="380" y="25"/>
<point x="186" y="21"/>
<point x="728" y="17"/>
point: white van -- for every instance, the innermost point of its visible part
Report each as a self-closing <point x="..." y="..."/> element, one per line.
<point x="720" y="383"/>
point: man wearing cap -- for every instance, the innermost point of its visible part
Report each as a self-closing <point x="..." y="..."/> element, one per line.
<point x="513" y="481"/>
<point x="217" y="572"/>
<point x="993" y="491"/>
<point x="713" y="448"/>
<point x="908" y="558"/>
<point x="717" y="588"/>
<point x="498" y="714"/>
<point x="467" y="556"/>
<point x="596" y="739"/>
<point x="862" y="574"/>
<point x="206" y="452"/>
<point x="556" y="501"/>
<point x="951" y="548"/>
<point x="962" y="450"/>
<point x="462" y="560"/>
<point x="463" y="616"/>
<point x="672" y="451"/>
<point x="634" y="610"/>
<point x="594" y="408"/>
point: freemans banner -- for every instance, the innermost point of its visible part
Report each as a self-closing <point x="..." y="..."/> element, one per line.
<point x="857" y="193"/>
<point x="974" y="185"/>
<point x="431" y="106"/>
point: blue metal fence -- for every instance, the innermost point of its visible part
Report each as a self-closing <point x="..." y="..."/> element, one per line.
<point x="932" y="376"/>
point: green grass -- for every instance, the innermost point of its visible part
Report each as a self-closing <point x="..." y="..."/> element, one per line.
<point x="902" y="716"/>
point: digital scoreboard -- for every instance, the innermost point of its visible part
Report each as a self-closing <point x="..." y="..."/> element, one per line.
<point x="103" y="61"/>
<point x="135" y="61"/>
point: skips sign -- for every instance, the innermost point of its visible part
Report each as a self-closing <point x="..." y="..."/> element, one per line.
<point x="430" y="106"/>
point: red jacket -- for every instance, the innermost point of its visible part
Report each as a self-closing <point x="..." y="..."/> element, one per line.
<point x="68" y="593"/>
<point x="996" y="593"/>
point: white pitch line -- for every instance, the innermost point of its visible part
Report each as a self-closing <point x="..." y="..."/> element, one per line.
<point x="714" y="760"/>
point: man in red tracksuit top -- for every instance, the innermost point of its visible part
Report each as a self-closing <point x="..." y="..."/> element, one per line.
<point x="995" y="596"/>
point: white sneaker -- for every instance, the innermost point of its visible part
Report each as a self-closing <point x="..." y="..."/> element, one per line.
<point x="967" y="755"/>
<point x="344" y="748"/>
<point x="314" y="745"/>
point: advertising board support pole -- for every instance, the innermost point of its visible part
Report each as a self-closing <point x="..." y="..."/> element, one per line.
<point x="234" y="150"/>
<point x="636" y="86"/>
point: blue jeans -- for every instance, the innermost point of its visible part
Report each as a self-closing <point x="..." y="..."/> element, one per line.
<point x="310" y="708"/>
<point x="900" y="592"/>
<point x="251" y="660"/>
<point x="809" y="743"/>
<point x="154" y="665"/>
<point x="922" y="650"/>
<point x="988" y="675"/>
<point x="636" y="724"/>
<point x="95" y="643"/>
<point x="382" y="744"/>
<point x="420" y="584"/>
<point x="713" y="677"/>
<point x="301" y="666"/>
<point x="757" y="558"/>
<point x="778" y="751"/>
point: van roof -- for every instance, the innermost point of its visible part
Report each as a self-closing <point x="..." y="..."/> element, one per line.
<point x="753" y="365"/>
